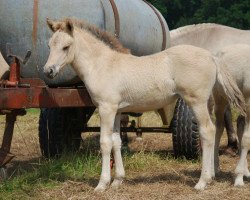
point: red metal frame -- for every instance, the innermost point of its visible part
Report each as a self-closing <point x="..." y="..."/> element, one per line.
<point x="43" y="97"/>
<point x="18" y="93"/>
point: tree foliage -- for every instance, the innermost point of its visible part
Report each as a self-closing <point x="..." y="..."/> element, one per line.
<point x="178" y="13"/>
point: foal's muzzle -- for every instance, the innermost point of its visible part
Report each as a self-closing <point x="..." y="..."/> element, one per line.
<point x="51" y="71"/>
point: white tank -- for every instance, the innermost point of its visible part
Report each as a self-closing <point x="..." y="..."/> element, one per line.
<point x="138" y="25"/>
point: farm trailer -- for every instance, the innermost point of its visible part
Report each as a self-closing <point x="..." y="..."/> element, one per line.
<point x="137" y="24"/>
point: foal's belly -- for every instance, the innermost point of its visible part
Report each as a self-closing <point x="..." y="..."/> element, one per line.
<point x="146" y="103"/>
<point x="147" y="93"/>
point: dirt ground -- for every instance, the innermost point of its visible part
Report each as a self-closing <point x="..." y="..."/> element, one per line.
<point x="172" y="180"/>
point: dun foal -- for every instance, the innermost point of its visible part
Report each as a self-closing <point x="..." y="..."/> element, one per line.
<point x="119" y="82"/>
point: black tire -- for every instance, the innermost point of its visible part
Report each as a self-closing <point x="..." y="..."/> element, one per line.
<point x="60" y="130"/>
<point x="185" y="132"/>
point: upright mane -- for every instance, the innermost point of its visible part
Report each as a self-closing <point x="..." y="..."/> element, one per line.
<point x="185" y="30"/>
<point x="102" y="35"/>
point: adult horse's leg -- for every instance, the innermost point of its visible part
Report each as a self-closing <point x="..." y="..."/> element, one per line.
<point x="119" y="169"/>
<point x="163" y="114"/>
<point x="219" y="109"/>
<point x="166" y="113"/>
<point x="240" y="130"/>
<point x="232" y="139"/>
<point x="242" y="166"/>
<point x="124" y="135"/>
<point x="207" y="135"/>
<point x="107" y="116"/>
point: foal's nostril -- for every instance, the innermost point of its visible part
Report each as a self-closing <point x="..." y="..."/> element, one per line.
<point x="51" y="72"/>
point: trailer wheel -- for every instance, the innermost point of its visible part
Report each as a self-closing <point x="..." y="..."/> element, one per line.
<point x="60" y="130"/>
<point x="185" y="132"/>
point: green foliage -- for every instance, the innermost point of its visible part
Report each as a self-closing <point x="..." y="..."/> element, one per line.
<point x="182" y="12"/>
<point x="33" y="111"/>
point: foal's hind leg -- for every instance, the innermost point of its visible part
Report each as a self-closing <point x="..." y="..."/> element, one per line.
<point x="117" y="143"/>
<point x="207" y="134"/>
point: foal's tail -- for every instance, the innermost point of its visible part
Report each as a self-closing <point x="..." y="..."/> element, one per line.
<point x="227" y="85"/>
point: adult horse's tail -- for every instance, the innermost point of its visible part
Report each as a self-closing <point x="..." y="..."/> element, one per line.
<point x="225" y="83"/>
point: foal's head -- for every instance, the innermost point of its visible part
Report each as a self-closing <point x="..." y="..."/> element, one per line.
<point x="61" y="46"/>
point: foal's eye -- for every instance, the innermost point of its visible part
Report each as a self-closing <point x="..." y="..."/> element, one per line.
<point x="65" y="48"/>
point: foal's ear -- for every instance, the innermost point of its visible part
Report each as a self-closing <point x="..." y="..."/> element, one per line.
<point x="53" y="25"/>
<point x="69" y="25"/>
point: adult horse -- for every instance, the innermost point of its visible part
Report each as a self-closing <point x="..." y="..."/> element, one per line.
<point x="212" y="37"/>
<point x="119" y="82"/>
<point x="237" y="62"/>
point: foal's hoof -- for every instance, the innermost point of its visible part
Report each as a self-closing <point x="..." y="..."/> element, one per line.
<point x="200" y="185"/>
<point x="138" y="139"/>
<point x="239" y="182"/>
<point x="116" y="184"/>
<point x="100" y="188"/>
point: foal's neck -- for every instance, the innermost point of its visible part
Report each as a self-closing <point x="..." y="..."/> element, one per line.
<point x="92" y="54"/>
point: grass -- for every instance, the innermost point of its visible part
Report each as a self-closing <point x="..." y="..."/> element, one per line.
<point x="80" y="167"/>
<point x="48" y="173"/>
<point x="151" y="170"/>
<point x="35" y="111"/>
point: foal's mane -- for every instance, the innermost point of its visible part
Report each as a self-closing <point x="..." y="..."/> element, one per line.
<point x="185" y="30"/>
<point x="102" y="35"/>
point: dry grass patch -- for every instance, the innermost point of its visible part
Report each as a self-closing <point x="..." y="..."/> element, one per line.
<point x="151" y="170"/>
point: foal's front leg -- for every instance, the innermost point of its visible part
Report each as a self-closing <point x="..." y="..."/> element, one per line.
<point x="107" y="116"/>
<point x="117" y="143"/>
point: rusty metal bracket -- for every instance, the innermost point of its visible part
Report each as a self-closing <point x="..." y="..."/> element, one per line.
<point x="23" y="61"/>
<point x="14" y="78"/>
<point x="117" y="18"/>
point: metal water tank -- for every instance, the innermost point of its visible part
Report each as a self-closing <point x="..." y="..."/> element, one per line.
<point x="137" y="24"/>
